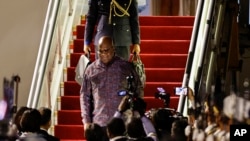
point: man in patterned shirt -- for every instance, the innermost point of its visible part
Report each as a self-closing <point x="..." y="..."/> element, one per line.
<point x="103" y="79"/>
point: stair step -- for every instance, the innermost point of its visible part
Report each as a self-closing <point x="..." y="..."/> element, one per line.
<point x="166" y="46"/>
<point x="73" y="119"/>
<point x="153" y="74"/>
<point x="152" y="102"/>
<point x="152" y="60"/>
<point x="164" y="20"/>
<point x="166" y="32"/>
<point x="71" y="88"/>
<point x="156" y="32"/>
<point x="71" y="132"/>
<point x="164" y="74"/>
<point x="149" y="46"/>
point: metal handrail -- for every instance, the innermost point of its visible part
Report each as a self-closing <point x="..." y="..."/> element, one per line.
<point x="43" y="52"/>
<point x="190" y="57"/>
<point x="197" y="51"/>
<point x="61" y="16"/>
<point x="203" y="50"/>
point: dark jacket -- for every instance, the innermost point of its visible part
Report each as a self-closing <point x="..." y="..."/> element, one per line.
<point x="47" y="136"/>
<point x="124" y="29"/>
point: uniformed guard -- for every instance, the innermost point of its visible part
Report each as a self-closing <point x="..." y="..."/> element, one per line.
<point x="118" y="19"/>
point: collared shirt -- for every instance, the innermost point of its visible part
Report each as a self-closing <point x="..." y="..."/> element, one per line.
<point x="117" y="138"/>
<point x="103" y="82"/>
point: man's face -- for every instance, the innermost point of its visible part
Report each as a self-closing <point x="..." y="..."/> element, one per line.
<point x="106" y="52"/>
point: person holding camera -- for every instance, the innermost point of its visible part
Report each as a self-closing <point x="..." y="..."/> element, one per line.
<point x="138" y="126"/>
<point x="102" y="80"/>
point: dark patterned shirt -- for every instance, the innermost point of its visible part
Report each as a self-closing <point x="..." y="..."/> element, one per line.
<point x="102" y="82"/>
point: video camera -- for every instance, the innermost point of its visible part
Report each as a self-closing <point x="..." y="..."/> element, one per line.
<point x="163" y="95"/>
<point x="130" y="91"/>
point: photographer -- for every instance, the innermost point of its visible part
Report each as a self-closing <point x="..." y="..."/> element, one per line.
<point x="162" y="120"/>
<point x="139" y="127"/>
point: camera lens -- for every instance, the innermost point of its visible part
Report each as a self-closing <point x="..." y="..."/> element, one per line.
<point x="122" y="93"/>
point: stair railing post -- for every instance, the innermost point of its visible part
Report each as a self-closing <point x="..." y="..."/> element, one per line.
<point x="182" y="98"/>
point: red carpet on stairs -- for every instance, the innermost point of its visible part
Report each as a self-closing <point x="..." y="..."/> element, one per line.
<point x="164" y="47"/>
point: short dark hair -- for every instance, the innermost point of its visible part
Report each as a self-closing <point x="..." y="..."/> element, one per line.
<point x="163" y="119"/>
<point x="116" y="126"/>
<point x="94" y="132"/>
<point x="30" y="121"/>
<point x="18" y="116"/>
<point x="178" y="127"/>
<point x="45" y="115"/>
<point x="135" y="128"/>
